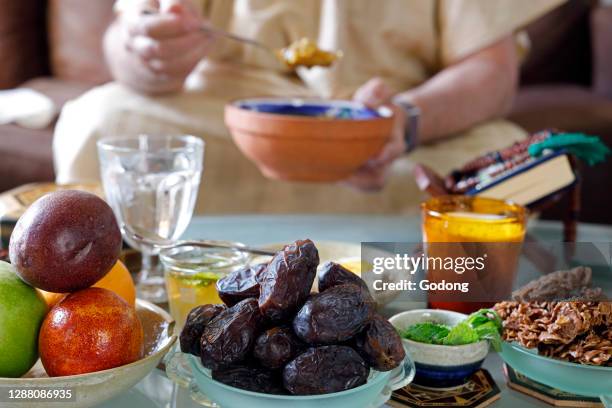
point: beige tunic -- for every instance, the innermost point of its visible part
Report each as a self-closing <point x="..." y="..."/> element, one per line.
<point x="403" y="41"/>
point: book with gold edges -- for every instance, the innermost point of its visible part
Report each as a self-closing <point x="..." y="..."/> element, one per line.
<point x="515" y="174"/>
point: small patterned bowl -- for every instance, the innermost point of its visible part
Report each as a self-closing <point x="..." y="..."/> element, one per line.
<point x="437" y="365"/>
<point x="187" y="371"/>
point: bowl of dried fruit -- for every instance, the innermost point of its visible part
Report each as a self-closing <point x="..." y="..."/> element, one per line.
<point x="187" y="370"/>
<point x="565" y="345"/>
<point x="274" y="344"/>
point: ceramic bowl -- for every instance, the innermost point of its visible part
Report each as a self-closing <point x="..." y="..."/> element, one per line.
<point x="186" y="370"/>
<point x="580" y="379"/>
<point x="437" y="365"/>
<point x="307" y="140"/>
<point x="94" y="388"/>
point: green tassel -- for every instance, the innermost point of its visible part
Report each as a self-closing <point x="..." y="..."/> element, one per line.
<point x="587" y="148"/>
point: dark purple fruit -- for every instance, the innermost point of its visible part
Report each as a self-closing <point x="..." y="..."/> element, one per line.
<point x="256" y="379"/>
<point x="286" y="282"/>
<point x="335" y="315"/>
<point x="324" y="370"/>
<point x="197" y="319"/>
<point x="380" y="345"/>
<point x="229" y="337"/>
<point x="66" y="241"/>
<point x="333" y="274"/>
<point x="276" y="347"/>
<point x="241" y="284"/>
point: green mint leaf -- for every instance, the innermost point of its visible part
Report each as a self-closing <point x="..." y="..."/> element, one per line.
<point x="462" y="333"/>
<point x="484" y="316"/>
<point x="427" y="332"/>
<point x="489" y="331"/>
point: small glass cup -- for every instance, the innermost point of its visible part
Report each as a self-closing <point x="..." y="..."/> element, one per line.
<point x="151" y="182"/>
<point x="469" y="227"/>
<point x="192" y="273"/>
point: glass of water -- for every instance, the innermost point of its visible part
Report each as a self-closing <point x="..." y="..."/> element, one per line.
<point x="151" y="182"/>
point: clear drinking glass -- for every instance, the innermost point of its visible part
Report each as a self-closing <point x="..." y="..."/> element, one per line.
<point x="192" y="274"/>
<point x="152" y="182"/>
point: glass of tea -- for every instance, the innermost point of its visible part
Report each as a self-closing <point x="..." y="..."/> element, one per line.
<point x="192" y="273"/>
<point x="472" y="240"/>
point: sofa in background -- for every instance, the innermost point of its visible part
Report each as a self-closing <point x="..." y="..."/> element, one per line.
<point x="54" y="46"/>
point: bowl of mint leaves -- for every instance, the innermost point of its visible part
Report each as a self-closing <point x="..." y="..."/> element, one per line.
<point x="448" y="347"/>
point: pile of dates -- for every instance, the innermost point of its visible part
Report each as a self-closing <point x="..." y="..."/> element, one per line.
<point x="274" y="336"/>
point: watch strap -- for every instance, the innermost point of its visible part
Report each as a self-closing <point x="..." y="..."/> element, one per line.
<point x="411" y="130"/>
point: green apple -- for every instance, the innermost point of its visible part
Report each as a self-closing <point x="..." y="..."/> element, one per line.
<point x="22" y="310"/>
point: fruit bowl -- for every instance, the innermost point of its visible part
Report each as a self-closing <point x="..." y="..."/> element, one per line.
<point x="307" y="139"/>
<point x="94" y="388"/>
<point x="581" y="379"/>
<point x="187" y="371"/>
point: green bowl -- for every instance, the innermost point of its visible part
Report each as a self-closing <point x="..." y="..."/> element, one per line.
<point x="580" y="379"/>
<point x="186" y="370"/>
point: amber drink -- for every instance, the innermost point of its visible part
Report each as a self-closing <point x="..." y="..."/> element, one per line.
<point x="488" y="232"/>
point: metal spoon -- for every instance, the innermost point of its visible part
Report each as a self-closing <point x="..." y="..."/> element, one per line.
<point x="152" y="239"/>
<point x="222" y="33"/>
<point x="279" y="54"/>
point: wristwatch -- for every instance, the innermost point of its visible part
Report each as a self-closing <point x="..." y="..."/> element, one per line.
<point x="411" y="130"/>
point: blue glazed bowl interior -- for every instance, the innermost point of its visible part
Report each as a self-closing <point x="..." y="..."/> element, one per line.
<point x="334" y="109"/>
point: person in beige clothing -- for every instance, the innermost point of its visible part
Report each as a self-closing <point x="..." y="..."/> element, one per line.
<point x="456" y="60"/>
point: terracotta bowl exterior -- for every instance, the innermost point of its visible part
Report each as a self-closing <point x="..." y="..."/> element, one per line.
<point x="302" y="148"/>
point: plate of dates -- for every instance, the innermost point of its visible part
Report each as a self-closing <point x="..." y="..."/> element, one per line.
<point x="276" y="344"/>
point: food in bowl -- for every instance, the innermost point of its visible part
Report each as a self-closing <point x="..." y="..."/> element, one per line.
<point x="325" y="370"/>
<point x="118" y="280"/>
<point x="305" y="53"/>
<point x="484" y="324"/>
<point x="561" y="315"/>
<point x="578" y="332"/>
<point x="65" y="340"/>
<point x="65" y="242"/>
<point x="280" y="339"/>
<point x="439" y="365"/>
<point x="240" y="285"/>
<point x="22" y="311"/>
<point x="576" y="283"/>
<point x="276" y="347"/>
<point x="307" y="139"/>
<point x="94" y="388"/>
